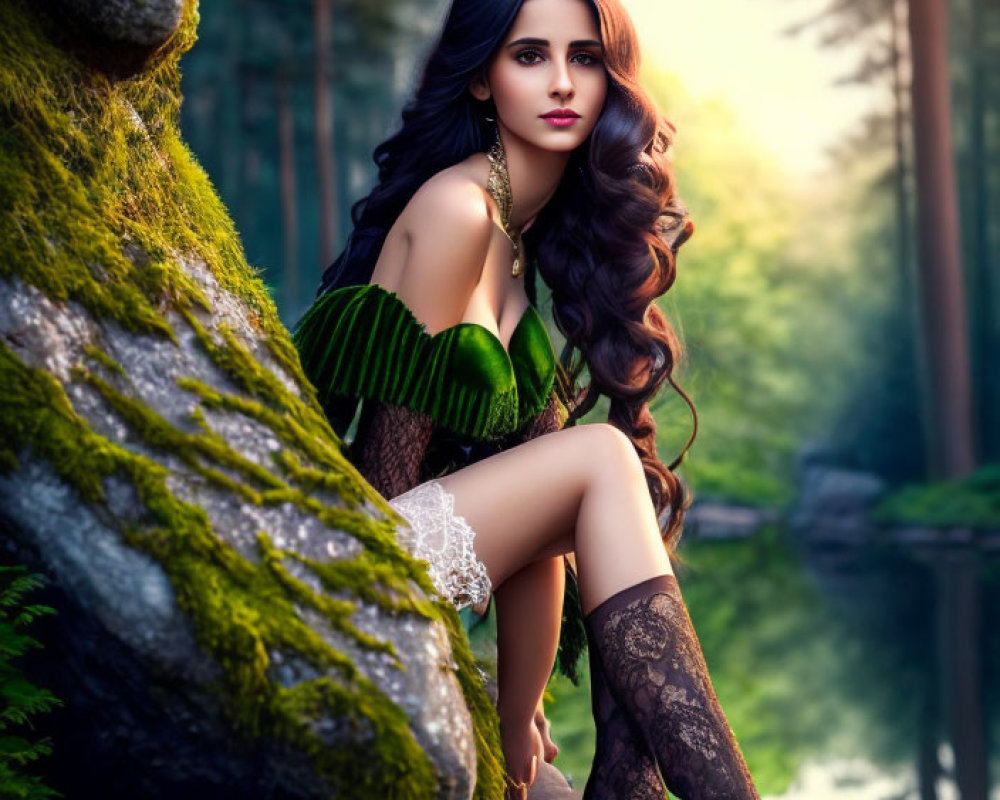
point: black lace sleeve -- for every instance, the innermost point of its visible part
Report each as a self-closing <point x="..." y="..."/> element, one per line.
<point x="551" y="418"/>
<point x="390" y="446"/>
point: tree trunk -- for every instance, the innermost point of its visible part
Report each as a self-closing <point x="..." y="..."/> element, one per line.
<point x="985" y="372"/>
<point x="289" y="209"/>
<point x="948" y="384"/>
<point x="232" y="113"/>
<point x="904" y="250"/>
<point x="945" y="324"/>
<point x="329" y="211"/>
<point x="928" y="737"/>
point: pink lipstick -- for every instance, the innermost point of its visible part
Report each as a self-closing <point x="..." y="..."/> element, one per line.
<point x="561" y="117"/>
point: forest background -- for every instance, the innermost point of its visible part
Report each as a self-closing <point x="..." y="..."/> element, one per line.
<point x="843" y="582"/>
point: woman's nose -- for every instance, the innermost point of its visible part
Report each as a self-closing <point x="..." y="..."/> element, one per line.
<point x="562" y="82"/>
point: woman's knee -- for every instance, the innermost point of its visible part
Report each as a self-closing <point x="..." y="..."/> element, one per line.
<point x="612" y="453"/>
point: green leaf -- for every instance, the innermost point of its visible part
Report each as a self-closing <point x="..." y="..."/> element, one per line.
<point x="29" y="613"/>
<point x="13" y="746"/>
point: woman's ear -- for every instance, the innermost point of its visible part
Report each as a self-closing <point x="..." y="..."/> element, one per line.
<point x="479" y="87"/>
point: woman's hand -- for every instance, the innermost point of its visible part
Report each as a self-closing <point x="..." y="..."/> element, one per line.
<point x="523" y="751"/>
<point x="550" y="748"/>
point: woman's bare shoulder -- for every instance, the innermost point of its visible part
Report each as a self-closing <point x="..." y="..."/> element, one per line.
<point x="448" y="229"/>
<point x="450" y="197"/>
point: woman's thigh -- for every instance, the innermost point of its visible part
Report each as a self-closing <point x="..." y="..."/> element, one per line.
<point x="523" y="503"/>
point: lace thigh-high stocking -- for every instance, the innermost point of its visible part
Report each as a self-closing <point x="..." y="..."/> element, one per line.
<point x="623" y="768"/>
<point x="655" y="670"/>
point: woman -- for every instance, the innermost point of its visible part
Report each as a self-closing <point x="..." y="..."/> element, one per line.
<point x="529" y="121"/>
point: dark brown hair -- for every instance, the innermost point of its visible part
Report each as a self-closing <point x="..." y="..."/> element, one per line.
<point x="606" y="246"/>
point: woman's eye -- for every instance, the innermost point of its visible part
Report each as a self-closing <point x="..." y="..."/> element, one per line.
<point x="529" y="57"/>
<point x="587" y="59"/>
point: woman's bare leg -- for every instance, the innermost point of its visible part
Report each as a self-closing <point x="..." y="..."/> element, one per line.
<point x="582" y="488"/>
<point x="529" y="613"/>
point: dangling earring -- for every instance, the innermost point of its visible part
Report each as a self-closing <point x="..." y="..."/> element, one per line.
<point x="498" y="185"/>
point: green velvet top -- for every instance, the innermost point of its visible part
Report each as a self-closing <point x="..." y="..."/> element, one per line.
<point x="364" y="342"/>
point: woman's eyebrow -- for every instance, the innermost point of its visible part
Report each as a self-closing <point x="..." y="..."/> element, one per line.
<point x="545" y="42"/>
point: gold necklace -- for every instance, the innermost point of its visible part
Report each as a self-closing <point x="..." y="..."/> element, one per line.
<point x="498" y="185"/>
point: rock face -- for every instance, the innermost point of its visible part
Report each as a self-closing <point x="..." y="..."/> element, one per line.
<point x="236" y="619"/>
<point x="834" y="505"/>
<point x="142" y="23"/>
<point x="720" y="522"/>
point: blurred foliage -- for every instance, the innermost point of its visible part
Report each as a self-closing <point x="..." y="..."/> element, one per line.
<point x="21" y="701"/>
<point x="767" y="302"/>
<point x="877" y="427"/>
<point x="889" y="436"/>
<point x="970" y="502"/>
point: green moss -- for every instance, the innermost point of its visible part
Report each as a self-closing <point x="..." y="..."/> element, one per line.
<point x="239" y="363"/>
<point x="102" y="358"/>
<point x="343" y="484"/>
<point x="972" y="502"/>
<point x="99" y="201"/>
<point x="315" y="445"/>
<point x="490" y="766"/>
<point x="194" y="449"/>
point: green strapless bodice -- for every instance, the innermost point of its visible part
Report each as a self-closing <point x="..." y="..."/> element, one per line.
<point x="363" y="341"/>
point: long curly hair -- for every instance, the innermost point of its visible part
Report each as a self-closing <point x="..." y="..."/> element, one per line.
<point x="605" y="243"/>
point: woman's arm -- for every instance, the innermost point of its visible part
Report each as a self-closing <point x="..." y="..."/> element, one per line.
<point x="529" y="607"/>
<point x="571" y="633"/>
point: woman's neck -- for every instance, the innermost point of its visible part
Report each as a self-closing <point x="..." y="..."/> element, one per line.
<point x="534" y="177"/>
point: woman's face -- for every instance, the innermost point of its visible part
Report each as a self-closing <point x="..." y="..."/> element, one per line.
<point x="550" y="61"/>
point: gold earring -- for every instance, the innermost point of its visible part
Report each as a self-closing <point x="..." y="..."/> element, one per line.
<point x="498" y="185"/>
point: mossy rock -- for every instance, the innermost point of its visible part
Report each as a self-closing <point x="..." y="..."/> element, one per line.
<point x="236" y="618"/>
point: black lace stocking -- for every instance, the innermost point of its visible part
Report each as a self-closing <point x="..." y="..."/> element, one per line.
<point x="623" y="767"/>
<point x="655" y="670"/>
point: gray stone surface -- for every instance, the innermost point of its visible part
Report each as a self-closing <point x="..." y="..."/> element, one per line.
<point x="139" y="644"/>
<point x="834" y="505"/>
<point x="144" y="23"/>
<point x="550" y="784"/>
<point x="707" y="520"/>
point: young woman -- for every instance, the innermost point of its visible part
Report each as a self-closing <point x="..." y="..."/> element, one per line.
<point x="530" y="146"/>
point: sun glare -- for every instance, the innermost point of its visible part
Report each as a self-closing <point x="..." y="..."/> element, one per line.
<point x="781" y="87"/>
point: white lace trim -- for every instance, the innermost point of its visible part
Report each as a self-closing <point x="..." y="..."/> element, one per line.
<point x="445" y="541"/>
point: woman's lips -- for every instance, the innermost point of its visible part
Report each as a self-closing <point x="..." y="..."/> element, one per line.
<point x="560" y="122"/>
